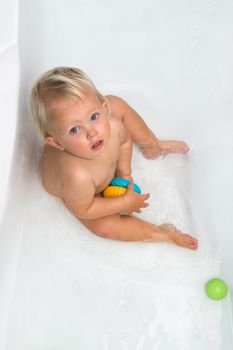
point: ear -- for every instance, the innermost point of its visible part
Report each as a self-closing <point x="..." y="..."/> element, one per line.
<point x="50" y="140"/>
<point x="106" y="108"/>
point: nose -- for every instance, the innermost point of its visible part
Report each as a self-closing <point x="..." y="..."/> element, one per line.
<point x="91" y="132"/>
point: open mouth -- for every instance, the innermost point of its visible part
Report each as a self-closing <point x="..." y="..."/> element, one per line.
<point x="97" y="145"/>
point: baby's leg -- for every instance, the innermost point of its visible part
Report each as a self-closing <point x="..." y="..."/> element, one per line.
<point x="141" y="133"/>
<point x="131" y="229"/>
<point x="148" y="143"/>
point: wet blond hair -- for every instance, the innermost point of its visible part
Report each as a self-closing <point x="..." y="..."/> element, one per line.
<point x="58" y="82"/>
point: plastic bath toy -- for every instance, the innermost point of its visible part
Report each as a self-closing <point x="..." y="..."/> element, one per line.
<point x="117" y="181"/>
<point x="216" y="289"/>
<point x="114" y="191"/>
<point x="117" y="188"/>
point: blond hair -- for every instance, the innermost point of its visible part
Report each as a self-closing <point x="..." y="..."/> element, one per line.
<point x="58" y="82"/>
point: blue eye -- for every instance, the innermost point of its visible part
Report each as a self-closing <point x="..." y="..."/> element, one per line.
<point x="94" y="117"/>
<point x="74" y="130"/>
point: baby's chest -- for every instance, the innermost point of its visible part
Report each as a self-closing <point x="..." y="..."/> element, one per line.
<point x="103" y="174"/>
<point x="105" y="171"/>
<point x="104" y="167"/>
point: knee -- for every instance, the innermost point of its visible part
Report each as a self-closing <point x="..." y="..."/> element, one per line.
<point x="105" y="229"/>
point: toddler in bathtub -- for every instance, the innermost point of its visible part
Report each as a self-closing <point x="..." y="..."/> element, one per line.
<point x="87" y="143"/>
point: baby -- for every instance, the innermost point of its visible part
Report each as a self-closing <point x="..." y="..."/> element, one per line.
<point x="88" y="142"/>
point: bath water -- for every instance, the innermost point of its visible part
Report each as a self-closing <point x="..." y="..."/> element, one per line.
<point x="75" y="290"/>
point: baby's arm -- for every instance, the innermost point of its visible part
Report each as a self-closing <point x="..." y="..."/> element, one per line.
<point x="79" y="197"/>
<point x="123" y="167"/>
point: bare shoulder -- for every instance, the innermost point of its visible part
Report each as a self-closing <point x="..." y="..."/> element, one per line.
<point x="113" y="99"/>
<point x="118" y="106"/>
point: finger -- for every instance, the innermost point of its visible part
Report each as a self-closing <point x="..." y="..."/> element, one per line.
<point x="144" y="205"/>
<point x="130" y="186"/>
<point x="146" y="196"/>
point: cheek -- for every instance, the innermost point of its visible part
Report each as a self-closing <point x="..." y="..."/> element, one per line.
<point x="74" y="141"/>
<point x="79" y="142"/>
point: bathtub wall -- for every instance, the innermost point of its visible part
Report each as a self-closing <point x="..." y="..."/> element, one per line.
<point x="16" y="157"/>
<point x="9" y="88"/>
<point x="9" y="73"/>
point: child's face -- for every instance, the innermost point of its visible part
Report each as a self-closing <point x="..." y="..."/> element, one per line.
<point x="79" y="127"/>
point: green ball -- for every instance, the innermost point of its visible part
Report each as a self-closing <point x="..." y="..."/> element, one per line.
<point x="216" y="289"/>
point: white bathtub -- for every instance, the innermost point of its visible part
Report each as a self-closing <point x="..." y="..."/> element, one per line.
<point x="63" y="288"/>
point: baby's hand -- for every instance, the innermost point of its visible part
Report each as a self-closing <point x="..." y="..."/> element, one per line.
<point x="135" y="201"/>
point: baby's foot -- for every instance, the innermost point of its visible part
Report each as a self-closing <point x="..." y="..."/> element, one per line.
<point x="179" y="238"/>
<point x="152" y="149"/>
<point x="173" y="146"/>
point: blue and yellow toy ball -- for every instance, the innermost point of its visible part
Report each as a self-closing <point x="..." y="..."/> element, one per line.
<point x="117" y="188"/>
<point x="216" y="289"/>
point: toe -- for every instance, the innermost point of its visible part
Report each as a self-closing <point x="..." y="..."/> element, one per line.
<point x="192" y="243"/>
